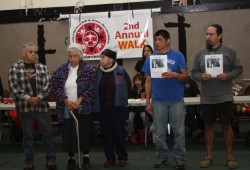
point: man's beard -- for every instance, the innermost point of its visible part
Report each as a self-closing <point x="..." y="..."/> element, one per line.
<point x="209" y="45"/>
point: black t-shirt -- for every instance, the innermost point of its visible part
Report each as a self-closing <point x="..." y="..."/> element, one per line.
<point x="31" y="75"/>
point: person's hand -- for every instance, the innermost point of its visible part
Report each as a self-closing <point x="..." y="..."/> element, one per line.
<point x="69" y="104"/>
<point x="222" y="76"/>
<point x="206" y="76"/>
<point x="169" y="75"/>
<point x="77" y="103"/>
<point x="149" y="109"/>
<point x="34" y="101"/>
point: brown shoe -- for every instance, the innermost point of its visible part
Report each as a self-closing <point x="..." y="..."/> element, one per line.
<point x="28" y="166"/>
<point x="122" y="163"/>
<point x="51" y="165"/>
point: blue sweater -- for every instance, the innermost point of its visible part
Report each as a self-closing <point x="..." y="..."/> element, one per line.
<point x="122" y="88"/>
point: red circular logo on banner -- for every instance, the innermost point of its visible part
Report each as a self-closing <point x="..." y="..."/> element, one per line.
<point x="92" y="36"/>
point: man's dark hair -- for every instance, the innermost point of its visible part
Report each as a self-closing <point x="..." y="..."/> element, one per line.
<point x="218" y="29"/>
<point x="164" y="33"/>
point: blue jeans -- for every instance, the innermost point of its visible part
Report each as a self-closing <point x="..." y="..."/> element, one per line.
<point x="173" y="113"/>
<point x="46" y="130"/>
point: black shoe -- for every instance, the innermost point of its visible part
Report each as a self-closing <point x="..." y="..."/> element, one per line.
<point x="160" y="164"/>
<point x="71" y="164"/>
<point x="109" y="163"/>
<point x="86" y="162"/>
<point x="180" y="164"/>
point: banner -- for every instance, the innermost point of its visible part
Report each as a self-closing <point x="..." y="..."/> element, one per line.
<point x="125" y="32"/>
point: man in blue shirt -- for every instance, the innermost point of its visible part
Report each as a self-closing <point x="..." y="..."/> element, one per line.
<point x="167" y="105"/>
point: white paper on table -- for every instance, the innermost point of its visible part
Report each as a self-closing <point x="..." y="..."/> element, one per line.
<point x="158" y="65"/>
<point x="214" y="64"/>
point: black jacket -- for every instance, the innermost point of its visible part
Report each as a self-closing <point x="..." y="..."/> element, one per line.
<point x="135" y="94"/>
<point x="191" y="89"/>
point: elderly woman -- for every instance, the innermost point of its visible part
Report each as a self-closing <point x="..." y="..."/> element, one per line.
<point x="73" y="86"/>
<point x="112" y="89"/>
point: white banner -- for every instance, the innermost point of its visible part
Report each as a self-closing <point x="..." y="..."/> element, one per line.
<point x="125" y="32"/>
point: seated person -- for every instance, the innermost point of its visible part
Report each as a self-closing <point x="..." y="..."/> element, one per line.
<point x="137" y="113"/>
<point x="193" y="119"/>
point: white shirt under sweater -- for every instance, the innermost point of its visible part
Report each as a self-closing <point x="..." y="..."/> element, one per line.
<point x="71" y="87"/>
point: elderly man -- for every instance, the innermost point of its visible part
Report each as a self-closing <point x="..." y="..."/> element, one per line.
<point x="29" y="83"/>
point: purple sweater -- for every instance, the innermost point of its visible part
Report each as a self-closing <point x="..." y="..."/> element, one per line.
<point x="85" y="87"/>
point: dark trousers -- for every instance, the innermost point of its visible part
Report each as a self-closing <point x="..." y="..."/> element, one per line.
<point x="193" y="119"/>
<point x="112" y="123"/>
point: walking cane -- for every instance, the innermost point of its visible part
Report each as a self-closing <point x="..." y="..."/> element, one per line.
<point x="78" y="138"/>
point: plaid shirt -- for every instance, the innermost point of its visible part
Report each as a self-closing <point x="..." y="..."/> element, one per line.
<point x="22" y="90"/>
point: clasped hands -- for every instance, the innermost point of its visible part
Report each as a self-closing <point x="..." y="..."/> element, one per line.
<point x="34" y="101"/>
<point x="73" y="105"/>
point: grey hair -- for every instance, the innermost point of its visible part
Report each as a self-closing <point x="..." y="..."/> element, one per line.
<point x="79" y="52"/>
<point x="28" y="44"/>
<point x="25" y="46"/>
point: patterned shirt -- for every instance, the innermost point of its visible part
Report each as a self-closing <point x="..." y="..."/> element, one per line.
<point x="22" y="89"/>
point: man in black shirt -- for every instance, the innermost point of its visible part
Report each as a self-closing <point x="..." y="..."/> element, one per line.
<point x="29" y="83"/>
